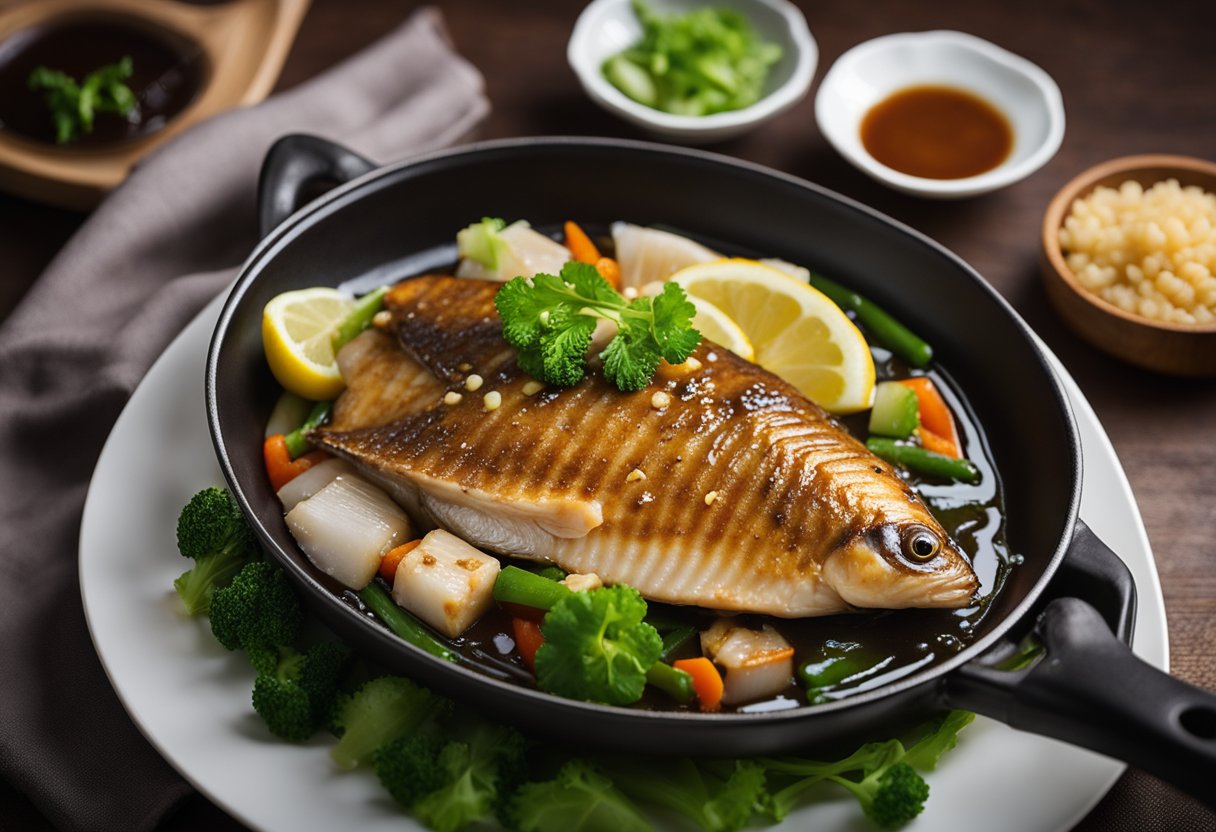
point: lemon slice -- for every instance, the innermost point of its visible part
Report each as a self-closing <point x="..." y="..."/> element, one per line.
<point x="795" y="330"/>
<point x="297" y="328"/>
<point x="718" y="327"/>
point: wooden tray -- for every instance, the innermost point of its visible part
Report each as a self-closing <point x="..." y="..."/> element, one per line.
<point x="244" y="42"/>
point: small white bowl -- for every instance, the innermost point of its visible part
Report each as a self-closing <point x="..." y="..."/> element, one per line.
<point x="871" y="71"/>
<point x="607" y="27"/>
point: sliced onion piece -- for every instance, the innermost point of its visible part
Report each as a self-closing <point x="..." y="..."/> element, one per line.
<point x="758" y="663"/>
<point x="303" y="486"/>
<point x="446" y="582"/>
<point x="647" y="254"/>
<point x="345" y="528"/>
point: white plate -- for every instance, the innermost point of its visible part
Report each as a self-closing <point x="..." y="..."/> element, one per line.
<point x="191" y="698"/>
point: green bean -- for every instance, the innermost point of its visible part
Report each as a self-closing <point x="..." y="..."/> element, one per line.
<point x="889" y="332"/>
<point x="360" y="318"/>
<point x="676" y="638"/>
<point x="297" y="442"/>
<point x="403" y="623"/>
<point x="675" y="683"/>
<point x="519" y="586"/>
<point x="917" y="459"/>
<point x="833" y="670"/>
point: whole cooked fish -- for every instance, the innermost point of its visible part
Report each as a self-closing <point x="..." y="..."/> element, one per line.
<point x="719" y="485"/>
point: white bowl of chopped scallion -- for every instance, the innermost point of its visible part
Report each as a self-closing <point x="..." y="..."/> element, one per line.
<point x="694" y="72"/>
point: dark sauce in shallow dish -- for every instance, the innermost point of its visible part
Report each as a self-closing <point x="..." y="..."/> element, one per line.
<point x="169" y="71"/>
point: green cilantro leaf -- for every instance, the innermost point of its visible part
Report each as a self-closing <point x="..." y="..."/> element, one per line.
<point x="673" y="314"/>
<point x="597" y="646"/>
<point x="630" y="359"/>
<point x="550" y="320"/>
<point x="74" y="105"/>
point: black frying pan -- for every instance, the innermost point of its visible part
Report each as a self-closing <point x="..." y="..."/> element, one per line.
<point x="1072" y="592"/>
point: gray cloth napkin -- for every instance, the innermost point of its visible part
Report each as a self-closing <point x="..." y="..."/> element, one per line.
<point x="149" y="258"/>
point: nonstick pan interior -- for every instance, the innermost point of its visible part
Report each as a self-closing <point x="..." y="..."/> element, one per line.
<point x="401" y="221"/>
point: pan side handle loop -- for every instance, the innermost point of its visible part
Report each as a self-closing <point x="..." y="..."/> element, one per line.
<point x="301" y="165"/>
<point x="1089" y="689"/>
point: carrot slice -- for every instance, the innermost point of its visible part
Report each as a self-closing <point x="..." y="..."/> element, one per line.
<point x="610" y="270"/>
<point x="706" y="681"/>
<point x="392" y="559"/>
<point x="935" y="418"/>
<point x="580" y="245"/>
<point x="930" y="441"/>
<point x="280" y="467"/>
<point x="528" y="639"/>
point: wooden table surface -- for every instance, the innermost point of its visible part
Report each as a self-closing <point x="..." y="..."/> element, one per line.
<point x="1136" y="77"/>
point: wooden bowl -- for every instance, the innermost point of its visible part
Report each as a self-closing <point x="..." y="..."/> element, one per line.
<point x="1175" y="349"/>
<point x="242" y="43"/>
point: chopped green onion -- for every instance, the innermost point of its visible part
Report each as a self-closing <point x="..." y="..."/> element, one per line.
<point x="297" y="442"/>
<point x="360" y="318"/>
<point x="404" y="624"/>
<point x="917" y="459"/>
<point x="890" y="333"/>
<point x="896" y="410"/>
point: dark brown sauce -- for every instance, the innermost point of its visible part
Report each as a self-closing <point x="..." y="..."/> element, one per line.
<point x="937" y="132"/>
<point x="169" y="71"/>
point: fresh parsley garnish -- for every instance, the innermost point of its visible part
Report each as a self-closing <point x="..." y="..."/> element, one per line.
<point x="74" y="105"/>
<point x="550" y="321"/>
<point x="598" y="646"/>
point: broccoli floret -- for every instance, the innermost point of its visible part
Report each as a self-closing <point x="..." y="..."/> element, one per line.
<point x="448" y="785"/>
<point x="213" y="533"/>
<point x="936" y="738"/>
<point x="579" y="799"/>
<point x="719" y="800"/>
<point x="408" y="767"/>
<point x="296" y="695"/>
<point x="881" y="775"/>
<point x="891" y="798"/>
<point x="258" y="609"/>
<point x="380" y="712"/>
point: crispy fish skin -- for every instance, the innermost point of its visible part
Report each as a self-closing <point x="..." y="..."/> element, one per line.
<point x="736" y="494"/>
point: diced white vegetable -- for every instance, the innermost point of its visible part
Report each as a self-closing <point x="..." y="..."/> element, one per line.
<point x="346" y="527"/>
<point x="647" y="254"/>
<point x="518" y="250"/>
<point x="446" y="582"/>
<point x="758" y="663"/>
<point x="311" y="481"/>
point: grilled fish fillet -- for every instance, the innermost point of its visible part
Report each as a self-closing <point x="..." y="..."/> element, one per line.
<point x="737" y="494"/>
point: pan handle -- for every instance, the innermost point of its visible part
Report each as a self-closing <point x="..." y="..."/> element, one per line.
<point x="301" y="165"/>
<point x="1089" y="689"/>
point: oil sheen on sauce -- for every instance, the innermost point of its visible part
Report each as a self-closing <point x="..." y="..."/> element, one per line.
<point x="168" y="72"/>
<point x="937" y="132"/>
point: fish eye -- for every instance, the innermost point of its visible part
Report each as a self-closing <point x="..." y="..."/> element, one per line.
<point x="920" y="545"/>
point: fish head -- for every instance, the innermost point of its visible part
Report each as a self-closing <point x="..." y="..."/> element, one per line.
<point x="895" y="565"/>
